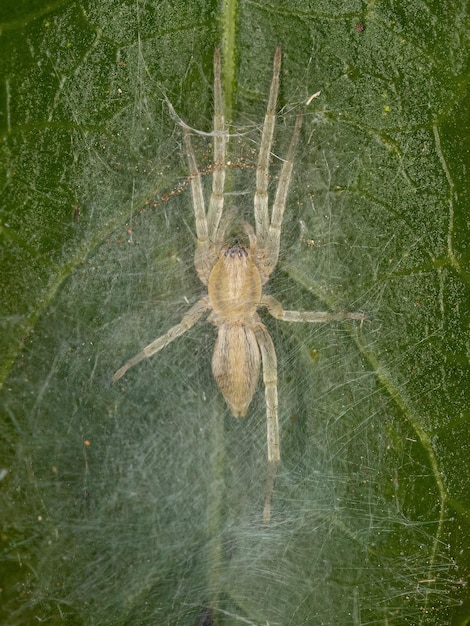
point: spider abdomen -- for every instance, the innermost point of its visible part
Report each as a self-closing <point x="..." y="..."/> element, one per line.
<point x="235" y="284"/>
<point x="236" y="365"/>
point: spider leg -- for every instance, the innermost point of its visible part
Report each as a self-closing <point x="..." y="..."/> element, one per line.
<point x="207" y="224"/>
<point x="276" y="309"/>
<point x="262" y="169"/>
<point x="273" y="237"/>
<point x="192" y="316"/>
<point x="216" y="202"/>
<point x="270" y="480"/>
<point x="202" y="258"/>
<point x="268" y="354"/>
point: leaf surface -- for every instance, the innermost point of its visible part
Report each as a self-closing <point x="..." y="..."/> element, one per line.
<point x="141" y="502"/>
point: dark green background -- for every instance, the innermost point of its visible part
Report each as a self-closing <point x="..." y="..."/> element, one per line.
<point x="141" y="503"/>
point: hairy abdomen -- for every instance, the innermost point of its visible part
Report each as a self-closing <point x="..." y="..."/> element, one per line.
<point x="235" y="365"/>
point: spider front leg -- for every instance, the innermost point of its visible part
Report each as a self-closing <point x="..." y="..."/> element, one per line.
<point x="207" y="225"/>
<point x="268" y="229"/>
<point x="262" y="169"/>
<point x="273" y="237"/>
<point x="192" y="316"/>
<point x="216" y="202"/>
<point x="203" y="260"/>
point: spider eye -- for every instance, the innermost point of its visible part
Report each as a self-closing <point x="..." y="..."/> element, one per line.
<point x="236" y="251"/>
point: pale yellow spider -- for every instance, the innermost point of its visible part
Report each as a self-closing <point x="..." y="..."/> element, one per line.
<point x="235" y="274"/>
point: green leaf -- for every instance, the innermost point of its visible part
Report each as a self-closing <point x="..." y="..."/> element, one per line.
<point x="141" y="502"/>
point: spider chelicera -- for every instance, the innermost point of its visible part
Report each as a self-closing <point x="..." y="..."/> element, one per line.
<point x="235" y="274"/>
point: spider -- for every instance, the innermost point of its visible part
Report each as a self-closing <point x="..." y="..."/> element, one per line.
<point x="235" y="274"/>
